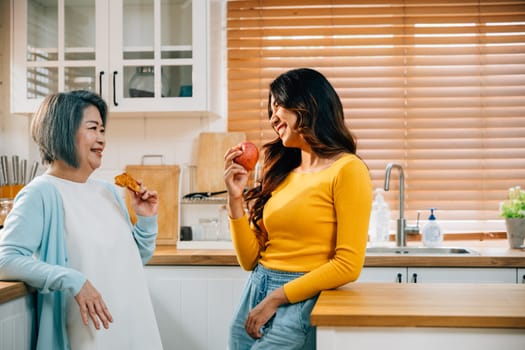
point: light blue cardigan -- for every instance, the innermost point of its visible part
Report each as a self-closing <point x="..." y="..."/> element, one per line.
<point x="33" y="250"/>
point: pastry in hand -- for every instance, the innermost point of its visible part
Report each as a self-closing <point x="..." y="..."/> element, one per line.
<point x="125" y="180"/>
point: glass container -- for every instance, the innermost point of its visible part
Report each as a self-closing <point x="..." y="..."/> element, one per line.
<point x="142" y="83"/>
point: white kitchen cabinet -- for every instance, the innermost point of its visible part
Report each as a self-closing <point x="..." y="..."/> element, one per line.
<point x="439" y="275"/>
<point x="17" y="324"/>
<point x="461" y="275"/>
<point x="140" y="55"/>
<point x="520" y="277"/>
<point x="194" y="305"/>
<point x="383" y="274"/>
<point x="417" y="338"/>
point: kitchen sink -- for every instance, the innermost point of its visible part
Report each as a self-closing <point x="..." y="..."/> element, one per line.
<point x="420" y="251"/>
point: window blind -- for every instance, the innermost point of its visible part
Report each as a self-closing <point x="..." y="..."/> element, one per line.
<point x="435" y="86"/>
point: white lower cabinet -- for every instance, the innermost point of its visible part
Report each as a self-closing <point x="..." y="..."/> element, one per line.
<point x="461" y="275"/>
<point x="17" y="324"/>
<point x="194" y="305"/>
<point x="417" y="338"/>
<point x="441" y="275"/>
<point x="521" y="276"/>
<point x="383" y="274"/>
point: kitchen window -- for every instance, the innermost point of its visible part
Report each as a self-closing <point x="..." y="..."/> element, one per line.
<point x="438" y="87"/>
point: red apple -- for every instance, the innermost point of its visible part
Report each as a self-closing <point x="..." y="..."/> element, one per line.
<point x="249" y="156"/>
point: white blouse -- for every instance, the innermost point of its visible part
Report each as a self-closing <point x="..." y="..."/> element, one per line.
<point x="101" y="246"/>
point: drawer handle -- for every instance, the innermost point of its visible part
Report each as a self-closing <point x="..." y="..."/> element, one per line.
<point x="115" y="88"/>
<point x="399" y="277"/>
<point x="414" y="277"/>
<point x="100" y="82"/>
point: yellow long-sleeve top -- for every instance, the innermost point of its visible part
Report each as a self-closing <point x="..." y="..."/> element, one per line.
<point x="317" y="223"/>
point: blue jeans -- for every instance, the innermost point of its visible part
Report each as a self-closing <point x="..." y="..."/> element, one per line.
<point x="288" y="329"/>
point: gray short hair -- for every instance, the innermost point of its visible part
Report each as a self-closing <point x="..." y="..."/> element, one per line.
<point x="55" y="124"/>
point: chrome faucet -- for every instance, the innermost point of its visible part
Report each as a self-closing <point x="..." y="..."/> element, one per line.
<point x="402" y="227"/>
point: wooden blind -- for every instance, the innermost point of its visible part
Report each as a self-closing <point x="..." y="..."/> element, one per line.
<point x="436" y="86"/>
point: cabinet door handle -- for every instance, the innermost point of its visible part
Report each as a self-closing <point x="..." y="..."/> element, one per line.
<point x="414" y="277"/>
<point x="523" y="279"/>
<point x="114" y="88"/>
<point x="100" y="82"/>
<point x="399" y="277"/>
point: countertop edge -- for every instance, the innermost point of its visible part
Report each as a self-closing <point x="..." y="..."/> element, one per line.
<point x="169" y="255"/>
<point x="12" y="290"/>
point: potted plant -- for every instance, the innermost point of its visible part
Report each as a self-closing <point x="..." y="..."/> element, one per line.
<point x="513" y="210"/>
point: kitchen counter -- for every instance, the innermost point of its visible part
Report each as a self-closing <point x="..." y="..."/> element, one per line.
<point x="422" y="305"/>
<point x="433" y="316"/>
<point x="11" y="290"/>
<point x="492" y="253"/>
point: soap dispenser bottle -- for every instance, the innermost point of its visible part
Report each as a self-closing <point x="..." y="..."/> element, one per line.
<point x="378" y="230"/>
<point x="432" y="233"/>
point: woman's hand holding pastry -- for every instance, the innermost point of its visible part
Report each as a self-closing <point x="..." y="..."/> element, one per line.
<point x="145" y="202"/>
<point x="92" y="306"/>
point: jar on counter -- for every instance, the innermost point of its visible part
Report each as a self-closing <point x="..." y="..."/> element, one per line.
<point x="5" y="208"/>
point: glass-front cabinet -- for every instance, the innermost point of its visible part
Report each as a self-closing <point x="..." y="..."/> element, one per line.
<point x="47" y="58"/>
<point x="140" y="55"/>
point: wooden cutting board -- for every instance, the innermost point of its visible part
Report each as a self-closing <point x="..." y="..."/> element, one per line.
<point x="210" y="159"/>
<point x="165" y="180"/>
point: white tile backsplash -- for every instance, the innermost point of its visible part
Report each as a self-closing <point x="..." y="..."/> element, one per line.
<point x="176" y="128"/>
<point x="129" y="139"/>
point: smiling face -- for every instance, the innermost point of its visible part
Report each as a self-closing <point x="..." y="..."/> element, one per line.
<point x="284" y="122"/>
<point x="90" y="140"/>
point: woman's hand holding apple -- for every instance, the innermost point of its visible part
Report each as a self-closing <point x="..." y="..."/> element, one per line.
<point x="249" y="157"/>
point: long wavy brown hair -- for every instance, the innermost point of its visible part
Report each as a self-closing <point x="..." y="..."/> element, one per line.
<point x="321" y="122"/>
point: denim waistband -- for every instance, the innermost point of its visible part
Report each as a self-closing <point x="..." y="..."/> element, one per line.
<point x="274" y="278"/>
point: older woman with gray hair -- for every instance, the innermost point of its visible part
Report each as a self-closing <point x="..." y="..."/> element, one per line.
<point x="71" y="238"/>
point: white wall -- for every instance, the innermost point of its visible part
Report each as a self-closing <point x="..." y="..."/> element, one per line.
<point x="128" y="138"/>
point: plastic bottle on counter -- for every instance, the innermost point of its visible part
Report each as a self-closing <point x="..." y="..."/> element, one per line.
<point x="378" y="230"/>
<point x="432" y="233"/>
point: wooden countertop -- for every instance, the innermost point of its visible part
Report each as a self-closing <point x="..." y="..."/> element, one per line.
<point x="170" y="255"/>
<point x="492" y="253"/>
<point x="422" y="305"/>
<point x="11" y="290"/>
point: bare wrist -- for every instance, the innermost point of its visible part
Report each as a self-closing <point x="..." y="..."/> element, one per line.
<point x="235" y="207"/>
<point x="278" y="297"/>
